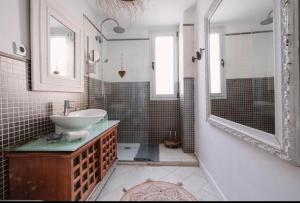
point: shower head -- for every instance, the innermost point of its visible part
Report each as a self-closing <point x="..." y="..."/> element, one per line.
<point x="268" y="20"/>
<point x="118" y="29"/>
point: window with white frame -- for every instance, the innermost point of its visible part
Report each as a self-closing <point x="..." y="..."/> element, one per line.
<point x="217" y="65"/>
<point x="164" y="66"/>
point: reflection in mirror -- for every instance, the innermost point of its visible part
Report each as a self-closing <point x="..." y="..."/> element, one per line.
<point x="62" y="49"/>
<point x="242" y="63"/>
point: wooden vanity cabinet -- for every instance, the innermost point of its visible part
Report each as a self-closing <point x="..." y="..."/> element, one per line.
<point x="62" y="176"/>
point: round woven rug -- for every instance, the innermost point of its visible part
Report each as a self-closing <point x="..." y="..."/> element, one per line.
<point x="158" y="191"/>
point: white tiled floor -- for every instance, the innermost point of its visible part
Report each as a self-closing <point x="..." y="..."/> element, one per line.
<point x="127" y="176"/>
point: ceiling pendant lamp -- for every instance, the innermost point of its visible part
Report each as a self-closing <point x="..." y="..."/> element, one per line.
<point x="113" y="8"/>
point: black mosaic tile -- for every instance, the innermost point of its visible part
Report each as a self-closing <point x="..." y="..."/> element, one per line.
<point x="129" y="103"/>
<point x="249" y="102"/>
<point x="187" y="116"/>
<point x="24" y="114"/>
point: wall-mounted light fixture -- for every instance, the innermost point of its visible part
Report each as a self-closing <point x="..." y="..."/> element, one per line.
<point x="198" y="55"/>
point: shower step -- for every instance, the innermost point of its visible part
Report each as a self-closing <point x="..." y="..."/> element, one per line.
<point x="161" y="163"/>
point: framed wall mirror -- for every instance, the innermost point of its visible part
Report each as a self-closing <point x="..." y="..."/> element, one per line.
<point x="252" y="73"/>
<point x="57" y="51"/>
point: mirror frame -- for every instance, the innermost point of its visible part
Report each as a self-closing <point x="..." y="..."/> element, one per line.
<point x="285" y="144"/>
<point x="42" y="79"/>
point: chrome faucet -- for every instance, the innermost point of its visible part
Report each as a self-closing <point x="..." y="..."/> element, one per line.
<point x="67" y="107"/>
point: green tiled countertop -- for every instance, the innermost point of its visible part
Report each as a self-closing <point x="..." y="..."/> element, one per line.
<point x="42" y="145"/>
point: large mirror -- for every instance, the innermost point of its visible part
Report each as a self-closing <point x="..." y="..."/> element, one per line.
<point x="57" y="51"/>
<point x="245" y="77"/>
<point x="242" y="63"/>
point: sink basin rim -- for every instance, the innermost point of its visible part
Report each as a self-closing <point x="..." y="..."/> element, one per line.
<point x="78" y="120"/>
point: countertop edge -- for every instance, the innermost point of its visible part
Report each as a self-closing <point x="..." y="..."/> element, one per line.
<point x="14" y="151"/>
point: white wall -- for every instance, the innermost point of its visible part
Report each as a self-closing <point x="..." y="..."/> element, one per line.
<point x="189" y="15"/>
<point x="186" y="51"/>
<point x="188" y="47"/>
<point x="186" y="44"/>
<point x="15" y="20"/>
<point x="136" y="61"/>
<point x="242" y="171"/>
<point x="137" y="54"/>
<point x="249" y="56"/>
<point x="14" y="24"/>
<point x="92" y="44"/>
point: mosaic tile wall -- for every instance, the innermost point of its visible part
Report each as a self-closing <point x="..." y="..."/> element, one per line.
<point x="24" y="114"/>
<point x="95" y="94"/>
<point x="164" y="119"/>
<point x="187" y="116"/>
<point x="249" y="102"/>
<point x="142" y="120"/>
<point x="129" y="103"/>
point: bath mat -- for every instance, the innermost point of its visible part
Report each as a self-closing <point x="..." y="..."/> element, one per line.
<point x="158" y="191"/>
<point x="148" y="152"/>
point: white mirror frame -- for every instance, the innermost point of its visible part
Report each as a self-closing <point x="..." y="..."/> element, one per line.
<point x="42" y="79"/>
<point x="285" y="144"/>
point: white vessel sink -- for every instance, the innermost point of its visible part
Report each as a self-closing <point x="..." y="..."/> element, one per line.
<point x="78" y="120"/>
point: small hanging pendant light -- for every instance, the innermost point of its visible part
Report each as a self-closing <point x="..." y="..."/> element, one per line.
<point x="122" y="72"/>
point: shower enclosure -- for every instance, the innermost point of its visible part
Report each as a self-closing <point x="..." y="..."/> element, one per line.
<point x="129" y="103"/>
<point x="144" y="123"/>
<point x="126" y="99"/>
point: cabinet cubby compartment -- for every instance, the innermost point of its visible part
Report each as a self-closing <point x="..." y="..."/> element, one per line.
<point x="77" y="196"/>
<point x="91" y="159"/>
<point x="91" y="170"/>
<point x="84" y="155"/>
<point x="84" y="166"/>
<point x="85" y="188"/>
<point x="97" y="174"/>
<point x="76" y="161"/>
<point x="76" y="173"/>
<point x="91" y="150"/>
<point x="92" y="180"/>
<point x="85" y="177"/>
<point x="77" y="185"/>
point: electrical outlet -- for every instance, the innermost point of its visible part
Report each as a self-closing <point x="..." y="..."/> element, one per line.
<point x="19" y="49"/>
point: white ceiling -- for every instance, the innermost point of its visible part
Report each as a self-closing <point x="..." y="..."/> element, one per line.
<point x="156" y="13"/>
<point x="242" y="11"/>
<point x="163" y="12"/>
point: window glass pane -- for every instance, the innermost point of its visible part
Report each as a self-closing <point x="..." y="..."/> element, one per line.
<point x="58" y="46"/>
<point x="215" y="64"/>
<point x="62" y="49"/>
<point x="164" y="67"/>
